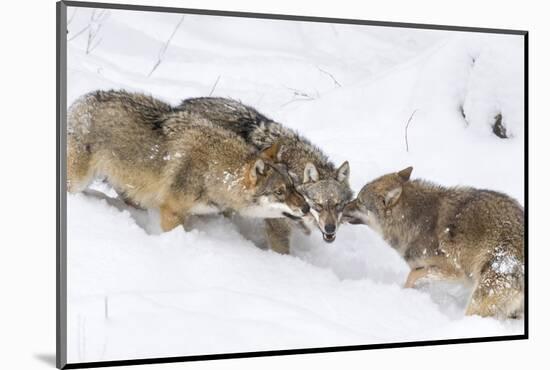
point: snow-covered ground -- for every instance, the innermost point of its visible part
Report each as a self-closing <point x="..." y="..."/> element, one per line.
<point x="136" y="293"/>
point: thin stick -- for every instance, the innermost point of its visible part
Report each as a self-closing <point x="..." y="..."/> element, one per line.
<point x="300" y="96"/>
<point x="106" y="307"/>
<point x="79" y="33"/>
<point x="164" y="47"/>
<point x="334" y="30"/>
<point x="72" y="17"/>
<point x="215" y="84"/>
<point x="406" y="130"/>
<point x="92" y="47"/>
<point x="96" y="18"/>
<point x="330" y="75"/>
<point x="296" y="100"/>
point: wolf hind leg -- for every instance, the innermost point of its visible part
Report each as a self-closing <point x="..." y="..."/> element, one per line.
<point x="278" y="235"/>
<point x="79" y="171"/>
<point x="127" y="200"/>
<point x="498" y="294"/>
<point x="434" y="272"/>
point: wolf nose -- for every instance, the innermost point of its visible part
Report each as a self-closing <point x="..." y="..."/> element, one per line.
<point x="330" y="229"/>
<point x="305" y="209"/>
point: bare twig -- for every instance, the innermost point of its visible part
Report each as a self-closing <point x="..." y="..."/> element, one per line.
<point x="214" y="87"/>
<point x="91" y="36"/>
<point x="95" y="25"/>
<point x="106" y="307"/>
<point x="406" y="130"/>
<point x="79" y="33"/>
<point x="71" y="17"/>
<point x="334" y="30"/>
<point x="295" y="100"/>
<point x="164" y="47"/>
<point x="154" y="67"/>
<point x="92" y="47"/>
<point x="330" y="75"/>
<point x="300" y="96"/>
<point x="304" y="94"/>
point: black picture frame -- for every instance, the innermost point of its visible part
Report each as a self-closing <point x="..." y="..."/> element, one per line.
<point x="61" y="197"/>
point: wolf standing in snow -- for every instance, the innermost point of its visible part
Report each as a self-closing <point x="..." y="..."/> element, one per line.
<point x="325" y="187"/>
<point x="450" y="233"/>
<point x="175" y="161"/>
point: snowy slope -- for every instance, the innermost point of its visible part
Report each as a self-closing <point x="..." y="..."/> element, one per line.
<point x="136" y="293"/>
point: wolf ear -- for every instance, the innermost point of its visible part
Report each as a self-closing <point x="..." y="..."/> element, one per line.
<point x="272" y="153"/>
<point x="257" y="169"/>
<point x="392" y="196"/>
<point x="405" y="174"/>
<point x="342" y="174"/>
<point x="310" y="173"/>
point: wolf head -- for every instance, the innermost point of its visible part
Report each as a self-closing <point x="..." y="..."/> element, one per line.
<point x="274" y="192"/>
<point x="376" y="198"/>
<point x="326" y="197"/>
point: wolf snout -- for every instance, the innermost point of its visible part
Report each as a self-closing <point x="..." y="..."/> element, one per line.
<point x="330" y="228"/>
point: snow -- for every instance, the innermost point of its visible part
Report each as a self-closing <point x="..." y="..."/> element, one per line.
<point x="134" y="292"/>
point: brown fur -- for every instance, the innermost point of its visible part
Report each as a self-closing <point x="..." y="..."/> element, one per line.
<point x="175" y="161"/>
<point x="325" y="187"/>
<point x="450" y="233"/>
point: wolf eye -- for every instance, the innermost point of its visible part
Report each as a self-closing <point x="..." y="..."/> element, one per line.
<point x="279" y="192"/>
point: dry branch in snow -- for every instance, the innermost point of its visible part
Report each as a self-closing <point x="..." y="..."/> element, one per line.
<point x="71" y="17"/>
<point x="330" y="75"/>
<point x="214" y="87"/>
<point x="96" y="22"/>
<point x="300" y="96"/>
<point x="407" y="128"/>
<point x="164" y="47"/>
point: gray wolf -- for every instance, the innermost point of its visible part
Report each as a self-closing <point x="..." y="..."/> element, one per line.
<point x="178" y="162"/>
<point x="325" y="187"/>
<point x="457" y="233"/>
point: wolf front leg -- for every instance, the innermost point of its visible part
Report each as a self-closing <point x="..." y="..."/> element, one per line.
<point x="278" y="234"/>
<point x="80" y="171"/>
<point x="173" y="214"/>
<point x="169" y="219"/>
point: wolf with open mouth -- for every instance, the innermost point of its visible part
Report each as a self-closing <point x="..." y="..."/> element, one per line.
<point x="324" y="186"/>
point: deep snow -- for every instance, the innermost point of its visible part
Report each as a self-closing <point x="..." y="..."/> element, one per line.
<point x="136" y="293"/>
